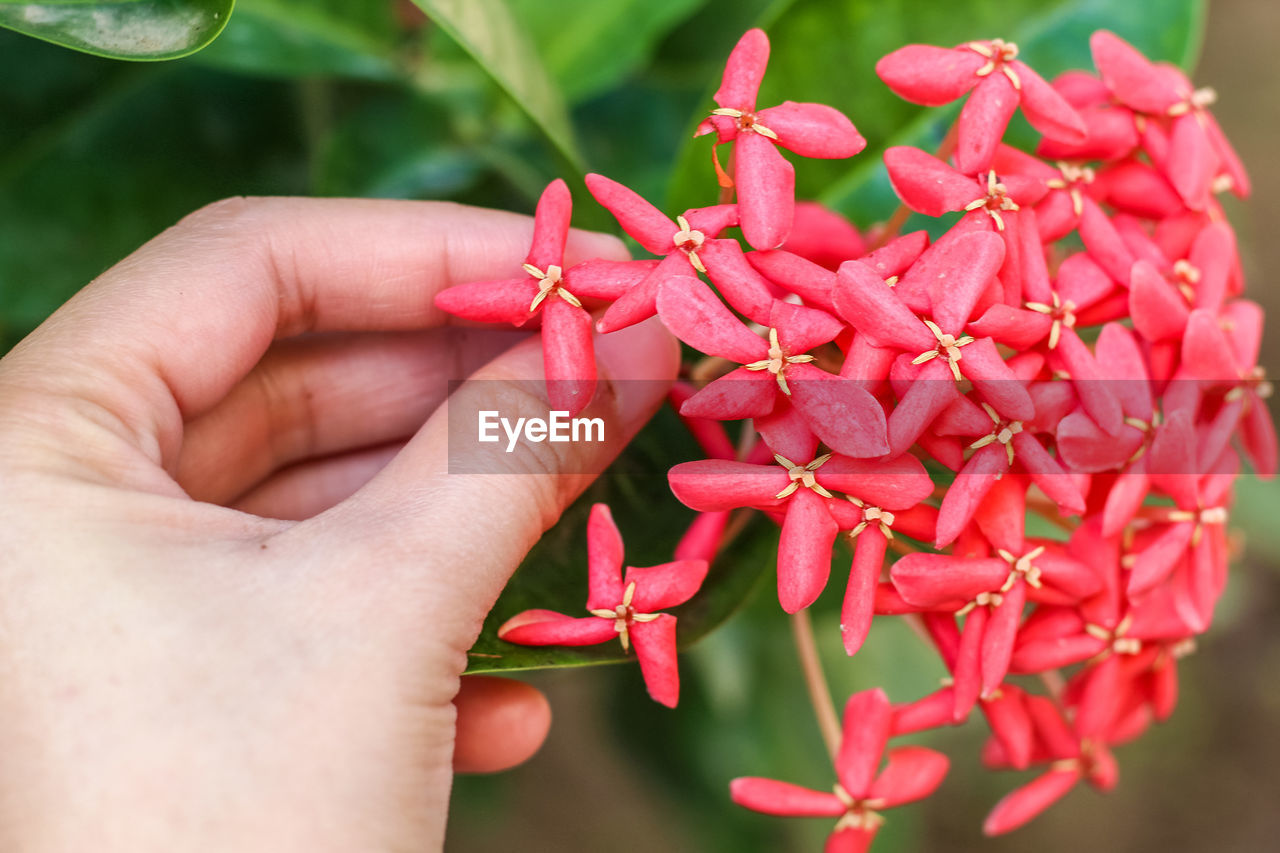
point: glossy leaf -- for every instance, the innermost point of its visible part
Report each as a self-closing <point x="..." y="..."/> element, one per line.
<point x="133" y="29"/>
<point x="488" y="31"/>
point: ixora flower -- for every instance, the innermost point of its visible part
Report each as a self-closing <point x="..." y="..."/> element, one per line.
<point x="764" y="180"/>
<point x="549" y="291"/>
<point x="860" y="793"/>
<point x="1075" y="346"/>
<point x="997" y="83"/>
<point x="623" y="606"/>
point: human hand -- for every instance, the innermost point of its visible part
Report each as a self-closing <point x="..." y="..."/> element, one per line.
<point x="238" y="583"/>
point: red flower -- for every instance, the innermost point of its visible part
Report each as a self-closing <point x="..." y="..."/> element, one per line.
<point x="622" y="606"/>
<point x="860" y="794"/>
<point x="552" y="292"/>
<point x="765" y="181"/>
<point x="999" y="82"/>
<point x="689" y="246"/>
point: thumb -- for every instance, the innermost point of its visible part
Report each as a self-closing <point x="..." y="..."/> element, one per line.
<point x="462" y="512"/>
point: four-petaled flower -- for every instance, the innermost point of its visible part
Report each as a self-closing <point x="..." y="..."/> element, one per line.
<point x="860" y="793"/>
<point x="623" y="606"/>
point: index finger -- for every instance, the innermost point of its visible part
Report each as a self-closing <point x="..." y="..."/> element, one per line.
<point x="165" y="334"/>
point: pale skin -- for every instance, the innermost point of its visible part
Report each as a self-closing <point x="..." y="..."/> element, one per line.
<point x="237" y="583"/>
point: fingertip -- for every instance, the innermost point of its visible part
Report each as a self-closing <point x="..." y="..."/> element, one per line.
<point x="501" y="724"/>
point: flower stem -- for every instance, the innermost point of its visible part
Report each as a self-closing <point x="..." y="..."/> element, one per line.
<point x="819" y="693"/>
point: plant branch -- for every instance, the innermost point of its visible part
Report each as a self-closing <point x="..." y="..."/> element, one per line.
<point x="814" y="678"/>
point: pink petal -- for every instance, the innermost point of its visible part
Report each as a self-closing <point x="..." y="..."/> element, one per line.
<point x="1192" y="163"/>
<point x="786" y="432"/>
<point x="546" y="628"/>
<point x="743" y="71"/>
<point x="928" y="75"/>
<point x="696" y="316"/>
<point x="1104" y="243"/>
<point x="1258" y="435"/>
<point x="701" y="541"/>
<point x="742" y="287"/>
<point x="1003" y="514"/>
<point x="871" y="306"/>
<point x="738" y="394"/>
<point x="897" y="256"/>
<point x="968" y="668"/>
<point x="1245" y="320"/>
<point x="927" y="396"/>
<point x="766" y="185"/>
<point x="913" y="773"/>
<point x="551" y="226"/>
<point x="960" y="270"/>
<point x="840" y="412"/>
<point x="1129" y="75"/>
<point x="1212" y="254"/>
<point x="997" y="640"/>
<point x="1083" y="446"/>
<point x="801" y="329"/>
<point x="851" y="839"/>
<point x="708" y="485"/>
<point x="868" y="717"/>
<point x="1092" y="384"/>
<point x="1047" y="111"/>
<point x="665" y="585"/>
<point x="982" y="123"/>
<point x="926" y="184"/>
<point x="649" y="226"/>
<point x="1154" y="563"/>
<point x="1206" y="350"/>
<point x="1230" y="160"/>
<point x="930" y="580"/>
<point x="1159" y="311"/>
<point x="1021" y="805"/>
<point x="1099" y="695"/>
<point x="1010" y="724"/>
<point x="860" y="594"/>
<point x="1047" y="473"/>
<point x="769" y="796"/>
<point x="1126" y="496"/>
<point x="994" y="381"/>
<point x="712" y="220"/>
<point x="1014" y="327"/>
<point x="812" y="130"/>
<point x="568" y="355"/>
<point x="965" y="495"/>
<point x="1082" y="281"/>
<point x="599" y="279"/>
<point x="640" y="301"/>
<point x="897" y="484"/>
<point x="655" y="645"/>
<point x="804" y="550"/>
<point x="1119" y="351"/>
<point x="503" y="301"/>
<point x="792" y="272"/>
<point x="604" y="560"/>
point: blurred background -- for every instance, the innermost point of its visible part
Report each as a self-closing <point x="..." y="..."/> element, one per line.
<point x="487" y="101"/>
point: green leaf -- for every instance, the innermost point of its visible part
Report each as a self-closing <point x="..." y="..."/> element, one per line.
<point x="554" y="575"/>
<point x="487" y="31"/>
<point x="589" y="46"/>
<point x="306" y="37"/>
<point x="132" y="29"/>
<point x="826" y="50"/>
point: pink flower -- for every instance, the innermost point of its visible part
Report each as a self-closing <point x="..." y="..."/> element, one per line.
<point x="689" y="246"/>
<point x="549" y="291"/>
<point x="765" y="181"/>
<point x="860" y="793"/>
<point x="621" y="605"/>
<point x="998" y="82"/>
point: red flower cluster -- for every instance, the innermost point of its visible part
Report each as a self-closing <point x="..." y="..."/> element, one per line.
<point x="1074" y="345"/>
